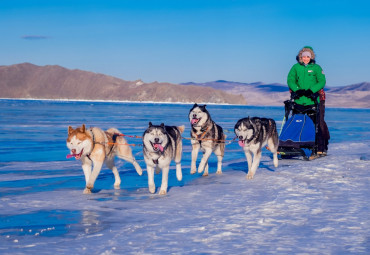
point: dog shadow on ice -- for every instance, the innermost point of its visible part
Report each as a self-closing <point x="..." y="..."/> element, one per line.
<point x="243" y="167"/>
<point x="133" y="185"/>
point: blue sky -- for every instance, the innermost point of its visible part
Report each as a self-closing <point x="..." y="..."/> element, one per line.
<point x="181" y="41"/>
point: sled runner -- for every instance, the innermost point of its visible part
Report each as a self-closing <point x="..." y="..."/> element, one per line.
<point x="299" y="131"/>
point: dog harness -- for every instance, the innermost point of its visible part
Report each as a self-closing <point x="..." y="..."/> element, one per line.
<point x="204" y="132"/>
<point x="93" y="139"/>
<point x="155" y="161"/>
<point x="110" y="137"/>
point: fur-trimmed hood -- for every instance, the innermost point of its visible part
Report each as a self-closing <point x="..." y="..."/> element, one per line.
<point x="309" y="49"/>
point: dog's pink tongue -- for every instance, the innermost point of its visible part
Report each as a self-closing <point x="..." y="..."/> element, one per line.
<point x="158" y="146"/>
<point x="241" y="143"/>
<point x="77" y="156"/>
<point x="193" y="121"/>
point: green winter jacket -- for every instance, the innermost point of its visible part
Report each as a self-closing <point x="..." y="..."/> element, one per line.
<point x="306" y="77"/>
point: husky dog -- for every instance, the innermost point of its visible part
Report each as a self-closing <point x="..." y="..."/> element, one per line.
<point x="207" y="136"/>
<point x="253" y="134"/>
<point x="161" y="145"/>
<point x="94" y="147"/>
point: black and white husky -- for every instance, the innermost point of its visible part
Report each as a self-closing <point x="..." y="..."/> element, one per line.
<point x="253" y="134"/>
<point x="161" y="145"/>
<point x="207" y="136"/>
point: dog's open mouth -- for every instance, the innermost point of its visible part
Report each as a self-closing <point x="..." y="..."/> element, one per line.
<point x="76" y="156"/>
<point x="194" y="121"/>
<point x="157" y="146"/>
<point x="241" y="143"/>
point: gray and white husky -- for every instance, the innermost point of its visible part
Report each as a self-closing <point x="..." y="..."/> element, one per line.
<point x="253" y="134"/>
<point x="161" y="145"/>
<point x="207" y="136"/>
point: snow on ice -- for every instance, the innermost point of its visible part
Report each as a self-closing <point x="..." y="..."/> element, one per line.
<point x="301" y="207"/>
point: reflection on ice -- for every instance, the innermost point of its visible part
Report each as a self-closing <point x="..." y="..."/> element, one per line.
<point x="40" y="223"/>
<point x="90" y="222"/>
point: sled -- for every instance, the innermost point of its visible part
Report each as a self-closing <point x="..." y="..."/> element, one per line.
<point x="298" y="133"/>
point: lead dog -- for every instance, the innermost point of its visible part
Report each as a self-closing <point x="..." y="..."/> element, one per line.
<point x="207" y="136"/>
<point x="161" y="145"/>
<point x="253" y="134"/>
<point x="94" y="147"/>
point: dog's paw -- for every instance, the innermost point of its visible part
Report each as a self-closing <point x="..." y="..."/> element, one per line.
<point x="179" y="176"/>
<point x="205" y="174"/>
<point x="152" y="189"/>
<point x="250" y="176"/>
<point x="193" y="170"/>
<point x="219" y="172"/>
<point x="162" y="192"/>
<point x="87" y="191"/>
<point x="117" y="186"/>
<point x="89" y="185"/>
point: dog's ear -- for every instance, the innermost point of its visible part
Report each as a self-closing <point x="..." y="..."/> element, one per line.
<point x="250" y="121"/>
<point x="150" y="124"/>
<point x="203" y="107"/>
<point x="83" y="128"/>
<point x="162" y="125"/>
<point x="195" y="105"/>
<point x="70" y="130"/>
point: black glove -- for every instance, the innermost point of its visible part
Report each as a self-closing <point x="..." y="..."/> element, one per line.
<point x="308" y="93"/>
<point x="300" y="92"/>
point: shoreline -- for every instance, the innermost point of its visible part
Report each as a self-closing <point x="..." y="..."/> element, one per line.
<point x="153" y="102"/>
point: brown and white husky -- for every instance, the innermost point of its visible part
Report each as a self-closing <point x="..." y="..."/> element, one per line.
<point x="94" y="147"/>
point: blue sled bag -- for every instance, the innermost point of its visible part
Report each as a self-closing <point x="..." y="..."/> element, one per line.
<point x="298" y="132"/>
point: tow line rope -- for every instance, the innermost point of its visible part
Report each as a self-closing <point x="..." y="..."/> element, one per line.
<point x="227" y="142"/>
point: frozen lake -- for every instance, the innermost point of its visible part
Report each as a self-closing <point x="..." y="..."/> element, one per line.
<point x="315" y="207"/>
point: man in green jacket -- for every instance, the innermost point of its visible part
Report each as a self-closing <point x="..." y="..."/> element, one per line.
<point x="306" y="78"/>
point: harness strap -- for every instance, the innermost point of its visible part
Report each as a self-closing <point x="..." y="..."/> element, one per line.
<point x="94" y="142"/>
<point x="201" y="136"/>
<point x="93" y="139"/>
<point x="114" y="138"/>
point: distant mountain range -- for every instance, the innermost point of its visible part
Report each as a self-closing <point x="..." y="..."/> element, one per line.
<point x="55" y="82"/>
<point x="258" y="93"/>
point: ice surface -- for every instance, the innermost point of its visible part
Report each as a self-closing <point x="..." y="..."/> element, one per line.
<point x="301" y="207"/>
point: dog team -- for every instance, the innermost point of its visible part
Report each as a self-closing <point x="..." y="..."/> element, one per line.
<point x="163" y="144"/>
